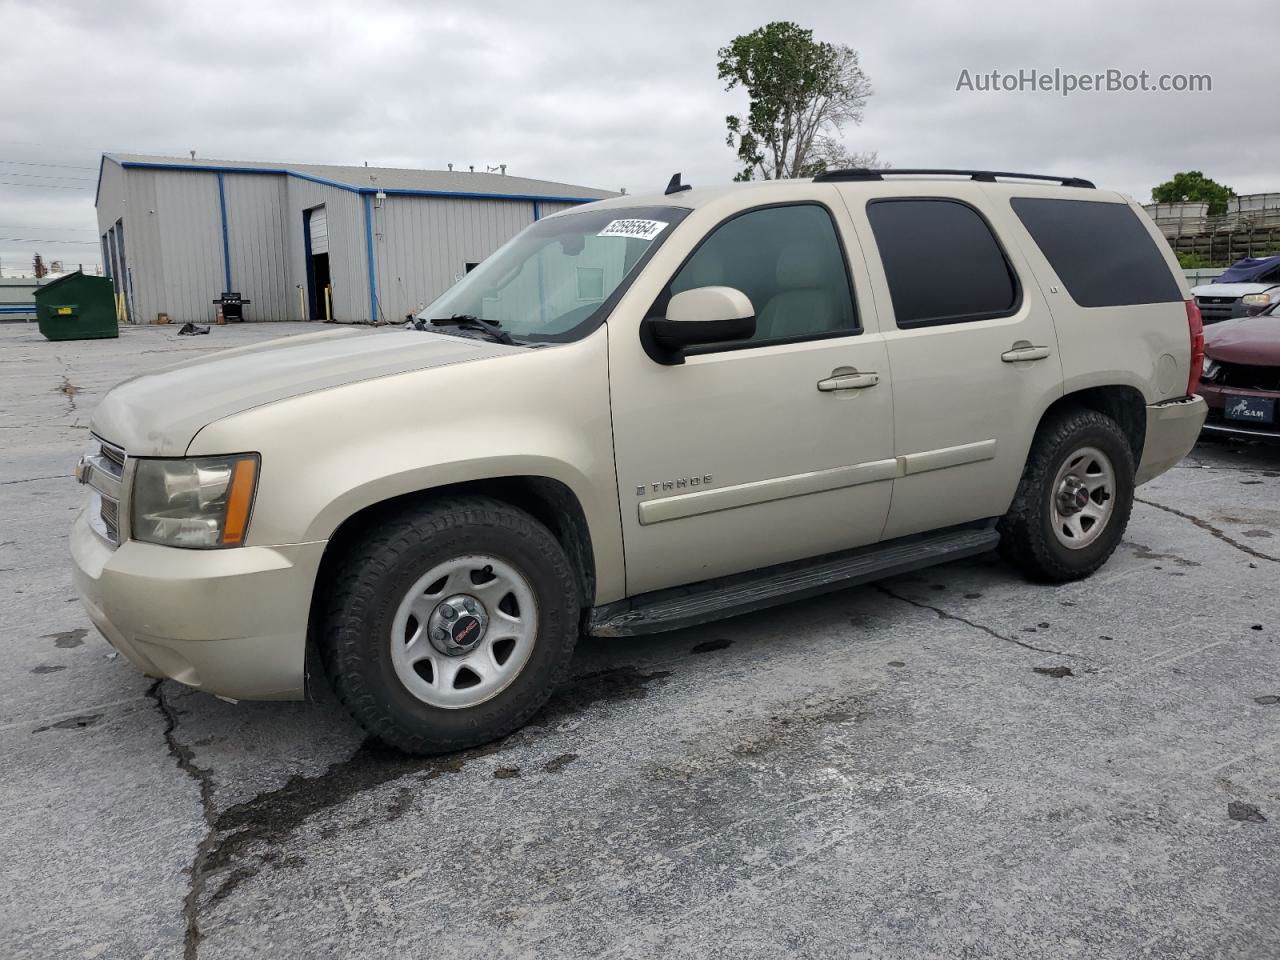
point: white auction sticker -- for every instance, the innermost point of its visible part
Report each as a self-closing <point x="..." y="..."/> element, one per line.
<point x="636" y="229"/>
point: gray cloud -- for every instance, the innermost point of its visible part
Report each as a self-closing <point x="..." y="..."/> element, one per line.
<point x="606" y="95"/>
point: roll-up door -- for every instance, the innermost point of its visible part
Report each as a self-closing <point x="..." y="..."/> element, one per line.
<point x="319" y="232"/>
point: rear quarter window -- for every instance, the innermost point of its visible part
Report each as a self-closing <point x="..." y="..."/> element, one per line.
<point x="1101" y="252"/>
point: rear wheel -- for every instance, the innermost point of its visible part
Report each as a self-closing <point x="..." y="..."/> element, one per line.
<point x="1074" y="500"/>
<point x="451" y="624"/>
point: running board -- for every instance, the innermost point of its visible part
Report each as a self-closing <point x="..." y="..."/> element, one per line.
<point x="742" y="593"/>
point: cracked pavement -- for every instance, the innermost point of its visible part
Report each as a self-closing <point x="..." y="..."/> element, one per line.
<point x="955" y="763"/>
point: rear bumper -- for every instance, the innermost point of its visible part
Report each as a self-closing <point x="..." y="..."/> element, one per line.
<point x="1224" y="429"/>
<point x="1172" y="428"/>
<point x="230" y="622"/>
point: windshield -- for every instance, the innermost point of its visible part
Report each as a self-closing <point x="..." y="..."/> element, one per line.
<point x="552" y="280"/>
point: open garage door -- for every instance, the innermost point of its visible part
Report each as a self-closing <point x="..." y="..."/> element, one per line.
<point x="316" y="227"/>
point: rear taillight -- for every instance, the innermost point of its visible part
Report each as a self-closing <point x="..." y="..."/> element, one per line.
<point x="1195" y="327"/>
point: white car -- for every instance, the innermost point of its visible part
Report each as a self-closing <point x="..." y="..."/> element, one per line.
<point x="1248" y="283"/>
<point x="638" y="415"/>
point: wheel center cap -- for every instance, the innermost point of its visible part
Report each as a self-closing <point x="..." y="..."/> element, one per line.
<point x="1073" y="496"/>
<point x="458" y="624"/>
<point x="465" y="631"/>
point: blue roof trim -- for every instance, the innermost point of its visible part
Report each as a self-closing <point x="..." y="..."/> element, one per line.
<point x="463" y="195"/>
<point x="363" y="191"/>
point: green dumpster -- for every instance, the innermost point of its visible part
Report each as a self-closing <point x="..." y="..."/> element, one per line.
<point x="77" y="307"/>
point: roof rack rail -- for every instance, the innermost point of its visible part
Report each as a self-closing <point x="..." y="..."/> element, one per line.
<point x="985" y="176"/>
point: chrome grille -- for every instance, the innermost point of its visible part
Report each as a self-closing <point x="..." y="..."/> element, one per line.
<point x="1247" y="376"/>
<point x="105" y="476"/>
<point x="114" y="457"/>
<point x="109" y="510"/>
<point x="1213" y="309"/>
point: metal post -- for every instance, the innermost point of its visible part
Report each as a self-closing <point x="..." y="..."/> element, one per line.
<point x="328" y="305"/>
<point x="302" y="304"/>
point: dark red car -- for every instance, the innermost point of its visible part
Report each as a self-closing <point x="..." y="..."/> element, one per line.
<point x="1241" y="378"/>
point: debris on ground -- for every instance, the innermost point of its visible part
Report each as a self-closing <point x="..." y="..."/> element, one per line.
<point x="1056" y="672"/>
<point x="189" y="329"/>
<point x="1245" y="812"/>
<point x="559" y="763"/>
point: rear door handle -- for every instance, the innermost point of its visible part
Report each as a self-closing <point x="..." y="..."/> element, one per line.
<point x="1024" y="350"/>
<point x="852" y="380"/>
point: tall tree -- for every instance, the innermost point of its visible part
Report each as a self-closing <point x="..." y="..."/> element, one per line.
<point x="1194" y="187"/>
<point x="802" y="94"/>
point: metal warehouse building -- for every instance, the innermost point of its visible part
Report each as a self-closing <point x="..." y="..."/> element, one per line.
<point x="177" y="234"/>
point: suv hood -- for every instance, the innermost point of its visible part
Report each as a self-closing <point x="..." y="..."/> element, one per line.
<point x="158" y="414"/>
<point x="1248" y="340"/>
<point x="1232" y="290"/>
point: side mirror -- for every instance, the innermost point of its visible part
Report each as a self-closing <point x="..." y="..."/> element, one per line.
<point x="702" y="315"/>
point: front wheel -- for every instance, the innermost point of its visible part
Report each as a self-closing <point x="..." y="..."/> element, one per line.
<point x="1074" y="500"/>
<point x="451" y="624"/>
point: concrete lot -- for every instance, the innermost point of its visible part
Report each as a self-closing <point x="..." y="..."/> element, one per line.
<point x="899" y="770"/>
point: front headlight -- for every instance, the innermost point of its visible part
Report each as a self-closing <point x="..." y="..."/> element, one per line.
<point x="1256" y="299"/>
<point x="1208" y="369"/>
<point x="202" y="502"/>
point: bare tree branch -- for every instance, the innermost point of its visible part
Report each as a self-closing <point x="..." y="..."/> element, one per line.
<point x="802" y="93"/>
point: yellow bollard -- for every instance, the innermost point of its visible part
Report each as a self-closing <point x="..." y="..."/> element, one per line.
<point x="302" y="304"/>
<point x="328" y="305"/>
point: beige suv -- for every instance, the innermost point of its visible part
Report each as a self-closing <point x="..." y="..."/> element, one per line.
<point x="642" y="414"/>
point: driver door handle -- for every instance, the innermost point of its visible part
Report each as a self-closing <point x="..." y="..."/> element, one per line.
<point x="1024" y="350"/>
<point x="848" y="379"/>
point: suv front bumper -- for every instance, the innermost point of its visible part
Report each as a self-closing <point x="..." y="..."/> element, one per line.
<point x="230" y="622"/>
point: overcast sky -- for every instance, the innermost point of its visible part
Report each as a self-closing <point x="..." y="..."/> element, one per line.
<point x="601" y="94"/>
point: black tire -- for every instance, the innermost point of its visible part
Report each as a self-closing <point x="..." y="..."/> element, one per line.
<point x="382" y="567"/>
<point x="1027" y="539"/>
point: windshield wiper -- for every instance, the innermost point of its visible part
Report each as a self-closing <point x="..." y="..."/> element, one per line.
<point x="467" y="321"/>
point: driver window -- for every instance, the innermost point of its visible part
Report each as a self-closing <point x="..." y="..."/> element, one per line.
<point x="788" y="261"/>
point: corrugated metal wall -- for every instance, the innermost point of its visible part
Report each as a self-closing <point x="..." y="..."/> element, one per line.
<point x="173" y="232"/>
<point x="145" y="257"/>
<point x="547" y="208"/>
<point x="189" y="220"/>
<point x="113" y="207"/>
<point x="348" y="254"/>
<point x="111" y="195"/>
<point x="423" y="243"/>
<point x="257" y="230"/>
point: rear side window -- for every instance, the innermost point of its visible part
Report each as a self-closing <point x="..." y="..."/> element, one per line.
<point x="1101" y="252"/>
<point x="942" y="262"/>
